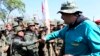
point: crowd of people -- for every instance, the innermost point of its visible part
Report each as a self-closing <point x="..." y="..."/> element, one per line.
<point x="20" y="39"/>
<point x="78" y="36"/>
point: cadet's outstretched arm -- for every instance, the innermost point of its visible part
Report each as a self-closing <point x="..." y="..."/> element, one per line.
<point x="23" y="43"/>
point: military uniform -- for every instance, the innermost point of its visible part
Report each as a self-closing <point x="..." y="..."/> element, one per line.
<point x="2" y="45"/>
<point x="6" y="40"/>
<point x="19" y="46"/>
<point x="2" y="41"/>
<point x="32" y="37"/>
<point x="23" y="45"/>
<point x="9" y="38"/>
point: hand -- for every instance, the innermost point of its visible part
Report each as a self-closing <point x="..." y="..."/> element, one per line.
<point x="5" y="48"/>
<point x="41" y="40"/>
<point x="67" y="55"/>
<point x="52" y="41"/>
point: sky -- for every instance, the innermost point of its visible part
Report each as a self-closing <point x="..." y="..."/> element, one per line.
<point x="90" y="8"/>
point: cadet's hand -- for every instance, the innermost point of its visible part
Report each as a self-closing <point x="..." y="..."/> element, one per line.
<point x="36" y="42"/>
<point x="5" y="48"/>
<point x="41" y="40"/>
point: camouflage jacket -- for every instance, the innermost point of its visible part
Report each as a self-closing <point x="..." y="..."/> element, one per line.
<point x="20" y="45"/>
<point x="32" y="37"/>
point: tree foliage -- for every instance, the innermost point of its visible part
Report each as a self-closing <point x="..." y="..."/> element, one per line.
<point x="14" y="4"/>
<point x="9" y="6"/>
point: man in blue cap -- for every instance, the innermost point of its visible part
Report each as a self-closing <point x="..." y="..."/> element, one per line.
<point x="81" y="36"/>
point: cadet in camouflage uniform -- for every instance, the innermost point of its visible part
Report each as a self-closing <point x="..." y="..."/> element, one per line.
<point x="42" y="47"/>
<point x="0" y="44"/>
<point x="32" y="36"/>
<point x="9" y="34"/>
<point x="58" y="41"/>
<point x="21" y="45"/>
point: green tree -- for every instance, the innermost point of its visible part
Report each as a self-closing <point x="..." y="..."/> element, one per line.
<point x="11" y="5"/>
<point x="3" y="15"/>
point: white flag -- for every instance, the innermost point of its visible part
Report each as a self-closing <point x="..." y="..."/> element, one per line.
<point x="45" y="12"/>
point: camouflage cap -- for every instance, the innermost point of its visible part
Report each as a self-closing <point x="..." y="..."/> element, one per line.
<point x="60" y="23"/>
<point x="42" y="25"/>
<point x="53" y="23"/>
<point x="18" y="28"/>
<point x="36" y="23"/>
<point x="31" y="23"/>
<point x="69" y="7"/>
<point x="14" y="23"/>
<point x="9" y="22"/>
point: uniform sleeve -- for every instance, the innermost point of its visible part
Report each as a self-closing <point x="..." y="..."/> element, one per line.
<point x="52" y="35"/>
<point x="23" y="43"/>
<point x="56" y="34"/>
<point x="9" y="39"/>
<point x="93" y="35"/>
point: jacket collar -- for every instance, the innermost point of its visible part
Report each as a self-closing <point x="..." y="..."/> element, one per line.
<point x="79" y="20"/>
